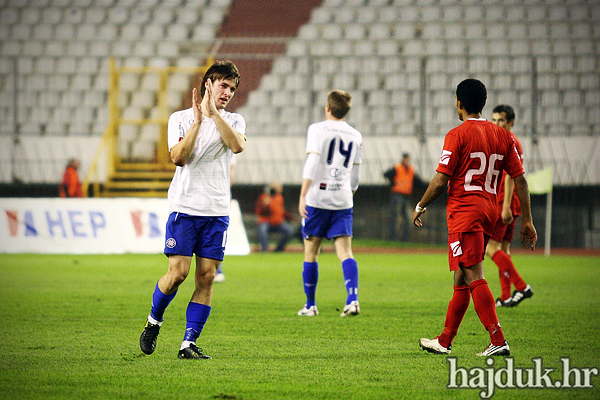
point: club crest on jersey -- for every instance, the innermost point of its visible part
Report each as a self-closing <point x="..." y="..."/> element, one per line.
<point x="456" y="249"/>
<point x="170" y="243"/>
<point x="445" y="158"/>
<point x="335" y="172"/>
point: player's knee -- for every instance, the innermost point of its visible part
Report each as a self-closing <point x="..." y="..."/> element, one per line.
<point x="206" y="278"/>
<point x="177" y="278"/>
<point x="491" y="249"/>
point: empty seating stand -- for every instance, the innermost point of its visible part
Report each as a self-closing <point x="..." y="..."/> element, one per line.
<point x="494" y="41"/>
<point x="57" y="52"/>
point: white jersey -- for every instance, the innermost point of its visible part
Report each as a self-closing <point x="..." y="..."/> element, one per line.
<point x="339" y="148"/>
<point x="201" y="187"/>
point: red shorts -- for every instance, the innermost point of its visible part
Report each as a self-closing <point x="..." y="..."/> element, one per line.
<point x="466" y="249"/>
<point x="504" y="232"/>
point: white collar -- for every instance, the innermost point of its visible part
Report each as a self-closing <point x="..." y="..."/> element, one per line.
<point x="476" y="119"/>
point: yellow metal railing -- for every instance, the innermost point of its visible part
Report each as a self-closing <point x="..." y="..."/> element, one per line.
<point x="110" y="138"/>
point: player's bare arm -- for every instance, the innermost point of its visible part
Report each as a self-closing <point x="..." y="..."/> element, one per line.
<point x="302" y="204"/>
<point x="528" y="232"/>
<point x="225" y="90"/>
<point x="438" y="184"/>
<point x="182" y="151"/>
<point x="509" y="187"/>
<point x="308" y="175"/>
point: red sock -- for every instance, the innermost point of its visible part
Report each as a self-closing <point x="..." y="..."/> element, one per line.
<point x="504" y="274"/>
<point x="504" y="262"/>
<point x="456" y="311"/>
<point x="483" y="300"/>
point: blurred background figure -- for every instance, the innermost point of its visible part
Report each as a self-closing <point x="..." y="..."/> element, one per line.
<point x="272" y="217"/>
<point x="401" y="178"/>
<point x="70" y="186"/>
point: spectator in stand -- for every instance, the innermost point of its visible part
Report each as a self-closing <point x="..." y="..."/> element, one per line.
<point x="70" y="186"/>
<point x="272" y="217"/>
<point x="401" y="178"/>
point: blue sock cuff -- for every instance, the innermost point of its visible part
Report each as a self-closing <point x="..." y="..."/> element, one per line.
<point x="197" y="312"/>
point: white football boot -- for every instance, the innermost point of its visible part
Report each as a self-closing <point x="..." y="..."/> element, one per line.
<point x="434" y="346"/>
<point x="308" y="312"/>
<point x="493" y="350"/>
<point x="351" y="309"/>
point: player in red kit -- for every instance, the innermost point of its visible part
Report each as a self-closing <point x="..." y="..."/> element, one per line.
<point x="474" y="155"/>
<point x="509" y="210"/>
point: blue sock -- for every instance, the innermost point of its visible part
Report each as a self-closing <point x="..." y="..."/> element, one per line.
<point x="220" y="269"/>
<point x="160" y="301"/>
<point x="350" y="269"/>
<point x="311" y="277"/>
<point x="196" y="316"/>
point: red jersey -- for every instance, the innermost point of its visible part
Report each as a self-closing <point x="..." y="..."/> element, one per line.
<point x="515" y="204"/>
<point x="474" y="155"/>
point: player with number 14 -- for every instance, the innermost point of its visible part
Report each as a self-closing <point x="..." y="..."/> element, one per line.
<point x="329" y="180"/>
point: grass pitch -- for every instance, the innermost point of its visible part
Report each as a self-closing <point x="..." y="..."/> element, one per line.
<point x="70" y="325"/>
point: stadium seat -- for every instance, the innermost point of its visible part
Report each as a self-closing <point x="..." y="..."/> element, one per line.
<point x="150" y="132"/>
<point x="295" y="82"/>
<point x="354" y="31"/>
<point x="94" y="15"/>
<point x="309" y="32"/>
<point x="331" y="31"/>
<point x="344" y="15"/>
<point x="203" y="33"/>
<point x="536" y="13"/>
<point x="140" y="16"/>
<point x="366" y="15"/>
<point x="143" y="149"/>
<point x="321" y="15"/>
<point x="388" y="14"/>
<point x="346" y="81"/>
<point x="118" y="15"/>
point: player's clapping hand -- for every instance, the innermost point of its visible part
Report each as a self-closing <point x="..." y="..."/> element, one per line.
<point x="196" y="106"/>
<point x="208" y="103"/>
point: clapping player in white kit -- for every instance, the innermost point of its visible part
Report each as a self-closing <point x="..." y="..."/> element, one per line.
<point x="201" y="142"/>
<point x="330" y="178"/>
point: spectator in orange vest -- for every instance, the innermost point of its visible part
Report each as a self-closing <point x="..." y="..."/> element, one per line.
<point x="272" y="217"/>
<point x="70" y="186"/>
<point x="401" y="179"/>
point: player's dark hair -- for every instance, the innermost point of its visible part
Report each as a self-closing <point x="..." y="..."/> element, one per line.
<point x="472" y="94"/>
<point x="224" y="69"/>
<point x="508" y="111"/>
<point x="339" y="103"/>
